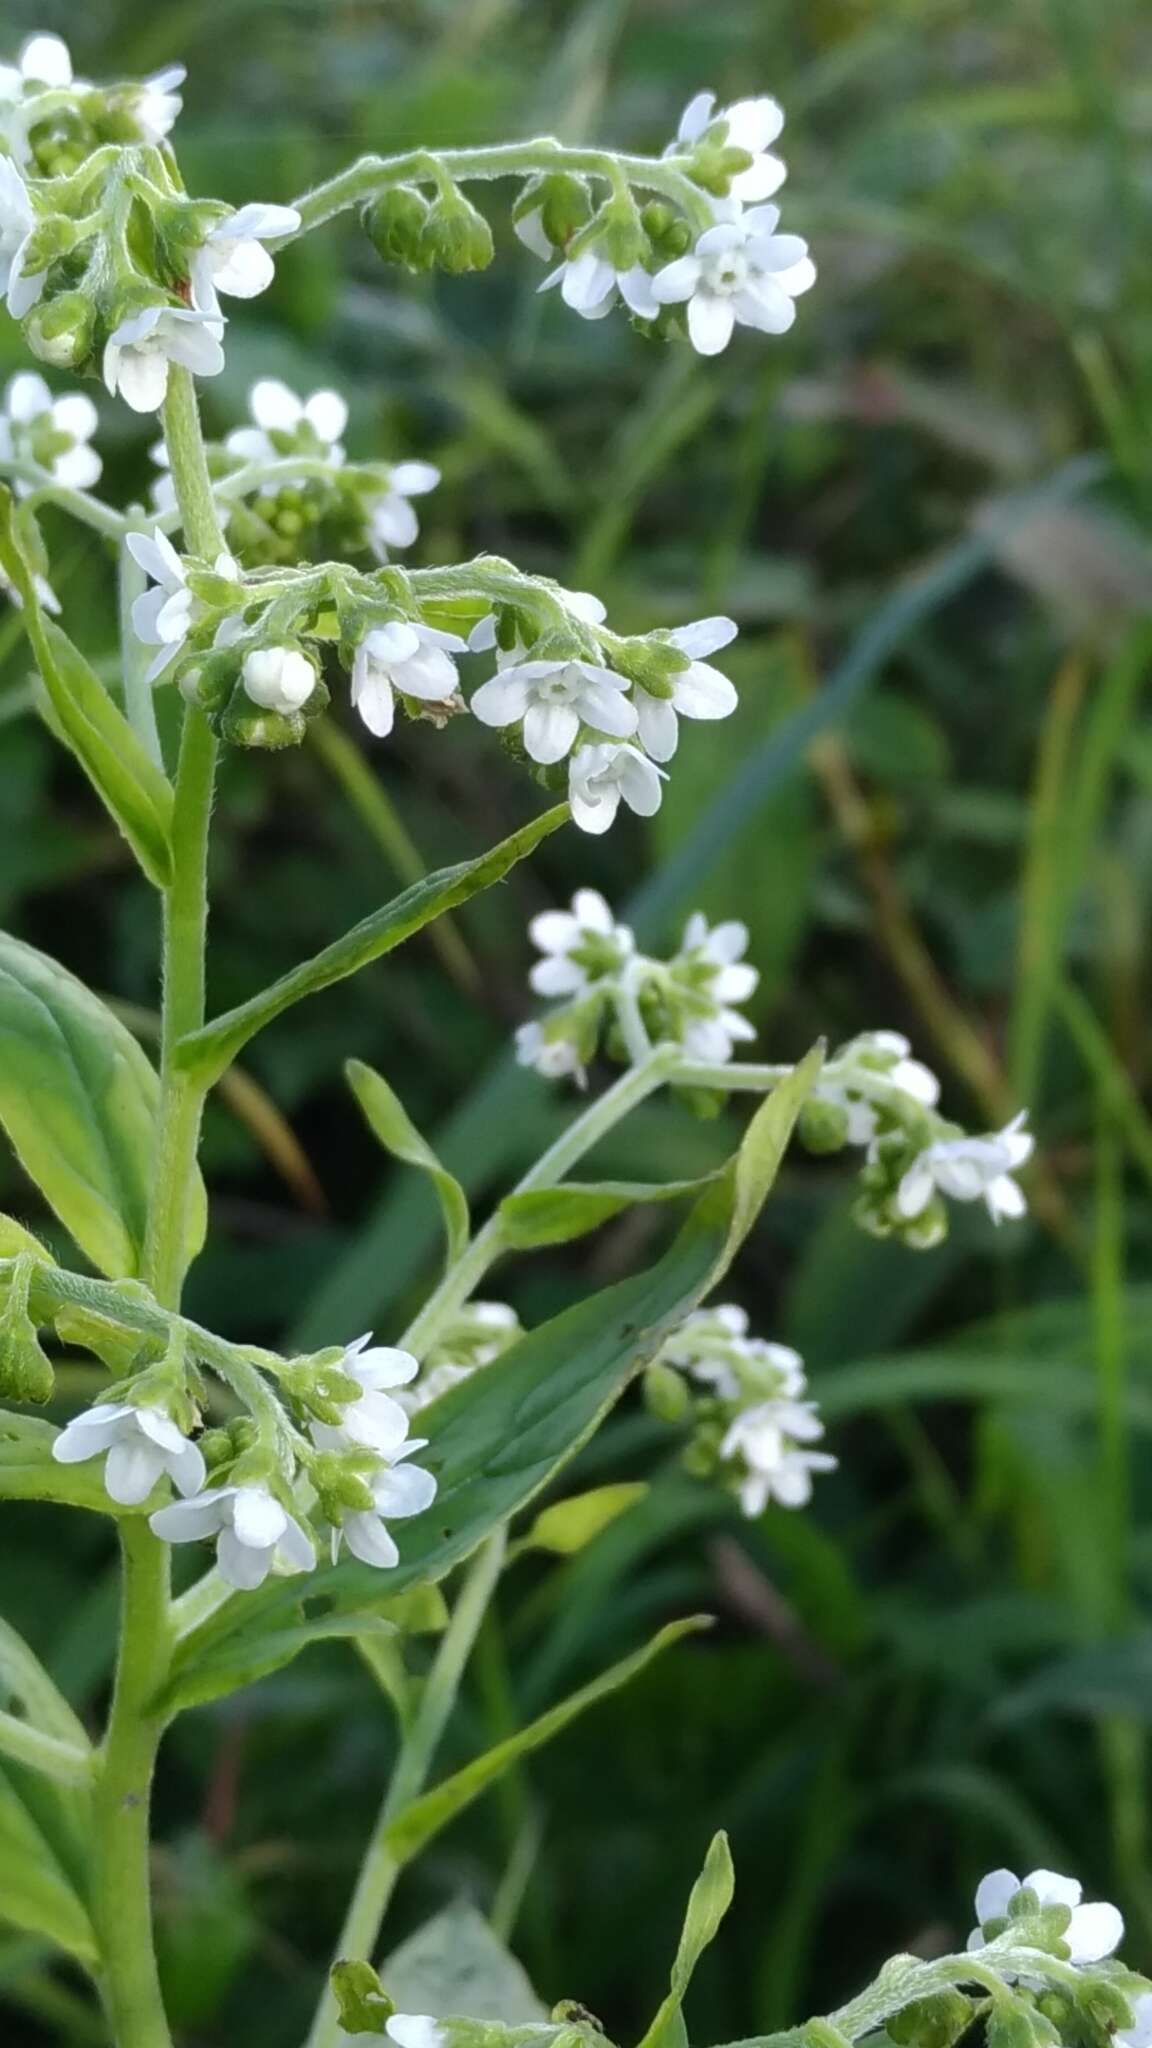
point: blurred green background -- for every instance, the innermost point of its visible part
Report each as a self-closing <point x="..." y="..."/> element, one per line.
<point x="934" y="809"/>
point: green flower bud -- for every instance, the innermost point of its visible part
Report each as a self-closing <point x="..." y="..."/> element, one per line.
<point x="935" y="2022"/>
<point x="365" y="2007"/>
<point x="60" y="331"/>
<point x="455" y="237"/>
<point x="217" y="1447"/>
<point x="562" y="202"/>
<point x="666" y="1393"/>
<point x="394" y="224"/>
<point x="616" y="233"/>
<point x="652" y="663"/>
<point x="341" y="1482"/>
<point x="211" y="681"/>
<point x="49" y="240"/>
<point x="822" y="1126"/>
<point x="319" y="1387"/>
<point x="25" y="1370"/>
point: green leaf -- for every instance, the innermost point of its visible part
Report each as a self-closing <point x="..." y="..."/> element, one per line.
<point x="28" y="1470"/>
<point x="417" y="1824"/>
<point x="709" y="1901"/>
<point x="78" y="1099"/>
<point x="389" y="1121"/>
<point x="455" y="1964"/>
<point x="256" y="1652"/>
<point x="133" y="789"/>
<point x="570" y="1525"/>
<point x="207" y="1052"/>
<point x="14" y="1239"/>
<point x="35" y="1894"/>
<point x="556" y="1215"/>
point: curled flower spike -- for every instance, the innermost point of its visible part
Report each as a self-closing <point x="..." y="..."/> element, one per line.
<point x="52" y="432"/>
<point x="139" y="350"/>
<point x="253" y="1532"/>
<point x="1091" y="1932"/>
<point x="406" y="657"/>
<point x="740" y="272"/>
<point x="139" y="1446"/>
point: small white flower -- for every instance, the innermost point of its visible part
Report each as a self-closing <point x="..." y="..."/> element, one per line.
<point x="138" y="1446"/>
<point x="552" y="1058"/>
<point x="17" y="220"/>
<point x="970" y="1170"/>
<point x="413" y="659"/>
<point x="138" y="352"/>
<point x="232" y="257"/>
<point x="373" y="1420"/>
<point x="580" y="945"/>
<point x="554" y="699"/>
<point x="768" y="1440"/>
<point x="600" y="775"/>
<point x="752" y="125"/>
<point x="156" y="103"/>
<point x="46" y="60"/>
<point x="1093" y="1932"/>
<point x="161" y="618"/>
<point x="33" y="418"/>
<point x="740" y="271"/>
<point x="712" y="975"/>
<point x="699" y="691"/>
<point x="285" y="424"/>
<point x="278" y="678"/>
<point x="590" y="285"/>
<point x="398" y="1490"/>
<point x="253" y="1531"/>
<point x="1139" y="2034"/>
<point x="884" y="1055"/>
<point x="391" y="521"/>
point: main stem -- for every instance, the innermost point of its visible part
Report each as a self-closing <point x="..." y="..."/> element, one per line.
<point x="122" y="1904"/>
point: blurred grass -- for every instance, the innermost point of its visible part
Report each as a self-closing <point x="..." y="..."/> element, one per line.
<point x="900" y="1689"/>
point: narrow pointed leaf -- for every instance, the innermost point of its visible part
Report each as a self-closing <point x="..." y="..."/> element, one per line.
<point x="389" y="1121"/>
<point x="542" y="1216"/>
<point x="35" y="1894"/>
<point x="709" y="1901"/>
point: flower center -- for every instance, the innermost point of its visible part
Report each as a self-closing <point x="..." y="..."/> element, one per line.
<point x="729" y="272"/>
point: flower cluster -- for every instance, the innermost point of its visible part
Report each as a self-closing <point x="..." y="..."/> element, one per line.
<point x="591" y="962"/>
<point x="341" y="1443"/>
<point x="751" y="1426"/>
<point x="1045" y="1910"/>
<point x="735" y="271"/>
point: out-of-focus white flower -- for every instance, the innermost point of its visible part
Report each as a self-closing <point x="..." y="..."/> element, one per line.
<point x="17" y="220"/>
<point x="875" y="1056"/>
<point x="278" y="678"/>
<point x="232" y="257"/>
<point x="580" y="946"/>
<point x="1139" y="2034"/>
<point x="392" y="523"/>
<point x="373" y="1420"/>
<point x="161" y="618"/>
<point x="139" y="350"/>
<point x="44" y="591"/>
<point x="769" y="1441"/>
<point x="752" y="125"/>
<point x="740" y="272"/>
<point x="709" y="975"/>
<point x="138" y="1445"/>
<point x="254" y="1532"/>
<point x="1093" y="1932"/>
<point x="53" y="432"/>
<point x="600" y="775"/>
<point x="287" y="425"/>
<point x="971" y="1170"/>
<point x="591" y="285"/>
<point x="699" y="691"/>
<point x="157" y="102"/>
<point x="553" y="699"/>
<point x="400" y="656"/>
<point x="398" y="1490"/>
<point x="552" y="1057"/>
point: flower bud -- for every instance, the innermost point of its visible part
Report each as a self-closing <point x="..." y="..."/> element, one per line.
<point x="243" y="725"/>
<point x="394" y="223"/>
<point x="666" y="1393"/>
<point x="822" y="1126"/>
<point x="279" y="678"/>
<point x="616" y="233"/>
<point x="651" y="663"/>
<point x="341" y="1483"/>
<point x="59" y="331"/>
<point x="934" y="2022"/>
<point x="562" y="202"/>
<point x="455" y="237"/>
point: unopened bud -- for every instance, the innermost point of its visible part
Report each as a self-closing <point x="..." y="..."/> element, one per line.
<point x="394" y="224"/>
<point x="279" y="678"/>
<point x="822" y="1126"/>
<point x="455" y="237"/>
<point x="60" y="331"/>
<point x="666" y="1393"/>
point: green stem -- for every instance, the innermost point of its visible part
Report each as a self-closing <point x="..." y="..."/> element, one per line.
<point x="381" y="1869"/>
<point x="88" y="510"/>
<point x="121" y="1881"/>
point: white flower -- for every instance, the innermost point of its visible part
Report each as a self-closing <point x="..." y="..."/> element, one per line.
<point x="553" y="1058"/>
<point x="372" y="1420"/>
<point x="712" y="974"/>
<point x="882" y="1056"/>
<point x="416" y="2030"/>
<point x="17" y="220"/>
<point x="138" y="352"/>
<point x="699" y="691"/>
<point x="970" y="1170"/>
<point x="740" y="271"/>
<point x="46" y="60"/>
<point x="140" y="1445"/>
<point x="398" y="1490"/>
<point x="391" y="521"/>
<point x="232" y="257"/>
<point x="432" y="1384"/>
<point x="554" y="699"/>
<point x="278" y="678"/>
<point x="590" y="285"/>
<point x="1139" y="2034"/>
<point x="34" y="421"/>
<point x="600" y="775"/>
<point x="1092" y="1933"/>
<point x="156" y="103"/>
<point x="767" y="1440"/>
<point x="414" y="659"/>
<point x="253" y="1531"/>
<point x="583" y="605"/>
<point x="161" y="618"/>
<point x="752" y="125"/>
<point x="580" y="945"/>
<point x="713" y="1346"/>
<point x="285" y="424"/>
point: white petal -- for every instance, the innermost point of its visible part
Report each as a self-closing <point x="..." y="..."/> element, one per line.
<point x="257" y="1517"/>
<point x="994" y="1895"/>
<point x="187" y="1521"/>
<point x="131" y="1471"/>
<point x="415" y="2030"/>
<point x="557" y="977"/>
<point x="639" y="782"/>
<point x="246" y="273"/>
<point x="78" y="468"/>
<point x="412" y="479"/>
<point x="296" y="1547"/>
<point x="710" y="323"/>
<point x="659" y="725"/>
<point x="375" y="703"/>
<point x="394" y="523"/>
<point x="187" y="1470"/>
<point x="274" y="407"/>
<point x="502" y="699"/>
<point x="87" y="1435"/>
<point x="916" y="1189"/>
<point x="704" y="636"/>
<point x="759" y="181"/>
<point x="46" y="60"/>
<point x="327" y="414"/>
<point x="384" y="1365"/>
<point x="607" y="710"/>
<point x="677" y="281"/>
<point x="156" y="555"/>
<point x="368" y="1540"/>
<point x="239" y="1564"/>
<point x="591" y="913"/>
<point x="403" y="1490"/>
<point x="587" y="281"/>
<point x="697" y="116"/>
<point x="1095" y="1932"/>
<point x="27" y="397"/>
<point x="703" y="692"/>
<point x="142" y="379"/>
<point x="766" y="307"/>
<point x="549" y="731"/>
<point x="636" y="291"/>
<point x="430" y="675"/>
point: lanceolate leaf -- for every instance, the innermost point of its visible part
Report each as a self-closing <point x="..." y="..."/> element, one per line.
<point x="389" y="1121"/>
<point x="499" y="1437"/>
<point x="122" y="772"/>
<point x="78" y="1099"/>
<point x="209" y="1051"/>
<point x="710" y="1899"/>
<point x="556" y="1215"/>
<point x="35" y="1894"/>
